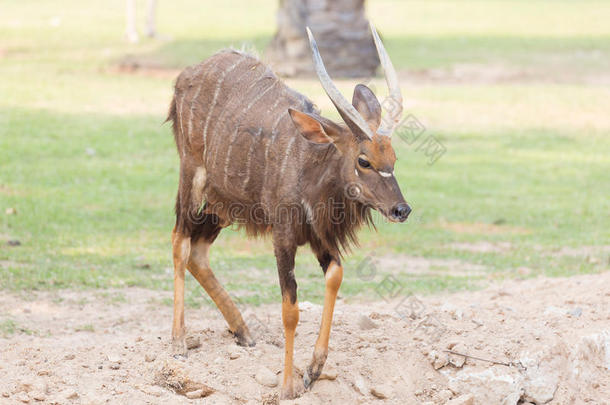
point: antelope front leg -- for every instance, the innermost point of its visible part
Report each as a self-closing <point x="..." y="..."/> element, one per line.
<point x="290" y="313"/>
<point x="181" y="246"/>
<point x="333" y="278"/>
<point x="290" y="318"/>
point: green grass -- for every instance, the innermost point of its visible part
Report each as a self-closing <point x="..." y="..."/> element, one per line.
<point x="92" y="172"/>
<point x="85" y="328"/>
<point x="9" y="327"/>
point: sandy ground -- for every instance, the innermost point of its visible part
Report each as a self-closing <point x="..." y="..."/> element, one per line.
<point x="540" y="340"/>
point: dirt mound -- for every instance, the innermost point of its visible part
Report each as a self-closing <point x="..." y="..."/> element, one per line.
<point x="540" y="341"/>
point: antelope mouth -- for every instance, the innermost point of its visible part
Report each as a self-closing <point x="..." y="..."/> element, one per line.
<point x="387" y="214"/>
<point x="398" y="213"/>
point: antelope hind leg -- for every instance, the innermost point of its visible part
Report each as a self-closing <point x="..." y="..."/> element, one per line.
<point x="199" y="266"/>
<point x="181" y="246"/>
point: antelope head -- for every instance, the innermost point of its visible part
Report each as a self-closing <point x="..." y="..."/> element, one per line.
<point x="364" y="143"/>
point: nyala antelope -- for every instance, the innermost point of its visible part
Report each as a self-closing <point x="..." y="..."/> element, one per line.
<point x="247" y="141"/>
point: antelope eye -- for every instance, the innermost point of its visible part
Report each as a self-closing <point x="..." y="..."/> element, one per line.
<point x="364" y="163"/>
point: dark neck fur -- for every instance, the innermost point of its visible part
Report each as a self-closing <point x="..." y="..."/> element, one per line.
<point x="336" y="218"/>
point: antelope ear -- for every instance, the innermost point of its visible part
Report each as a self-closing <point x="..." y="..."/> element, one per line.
<point x="310" y="127"/>
<point x="366" y="103"/>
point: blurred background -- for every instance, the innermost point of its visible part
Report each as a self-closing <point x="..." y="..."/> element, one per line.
<point x="516" y="93"/>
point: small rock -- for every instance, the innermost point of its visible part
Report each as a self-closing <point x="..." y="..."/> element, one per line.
<point x="328" y="373"/>
<point x="455" y="312"/>
<point x="10" y="211"/>
<point x="440" y="362"/>
<point x="551" y="310"/>
<point x="377" y="315"/>
<point x="457" y="361"/>
<point x="307" y="306"/>
<point x="114" y="366"/>
<point x="90" y="151"/>
<point x="154" y="390"/>
<point x="114" y="358"/>
<point x="577" y="312"/>
<point x="139" y="339"/>
<point x="233" y="353"/>
<point x="149" y="357"/>
<point x="23" y="397"/>
<point x="266" y="377"/>
<point x="194" y="394"/>
<point x="43" y="372"/>
<point x="192" y="342"/>
<point x="445" y="395"/>
<point x="366" y="323"/>
<point x="360" y="385"/>
<point x="71" y="394"/>
<point x="467" y="399"/>
<point x="438" y="359"/>
<point x="13" y="242"/>
<point x="381" y="391"/>
<point x="454" y="387"/>
<point x="38" y="396"/>
<point x="494" y="385"/>
<point x="6" y="394"/>
<point x="69" y="357"/>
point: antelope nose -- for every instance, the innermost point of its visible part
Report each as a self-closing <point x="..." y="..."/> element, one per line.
<point x="401" y="211"/>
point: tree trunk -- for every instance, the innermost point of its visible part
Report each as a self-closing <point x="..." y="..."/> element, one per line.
<point x="341" y="31"/>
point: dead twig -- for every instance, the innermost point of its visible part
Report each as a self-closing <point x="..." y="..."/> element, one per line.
<point x="468" y="356"/>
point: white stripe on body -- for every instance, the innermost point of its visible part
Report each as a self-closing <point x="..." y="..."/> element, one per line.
<point x="215" y="142"/>
<point x="286" y="155"/>
<point x="249" y="159"/>
<point x="236" y="131"/>
<point x="190" y="125"/>
<point x="219" y="83"/>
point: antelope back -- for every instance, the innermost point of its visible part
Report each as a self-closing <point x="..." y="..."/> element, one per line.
<point x="233" y="128"/>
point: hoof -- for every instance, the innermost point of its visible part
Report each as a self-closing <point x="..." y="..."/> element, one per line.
<point x="293" y="389"/>
<point x="310" y="376"/>
<point x="289" y="393"/>
<point x="307" y="381"/>
<point x="243" y="338"/>
<point x="179" y="349"/>
<point x="312" y="373"/>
